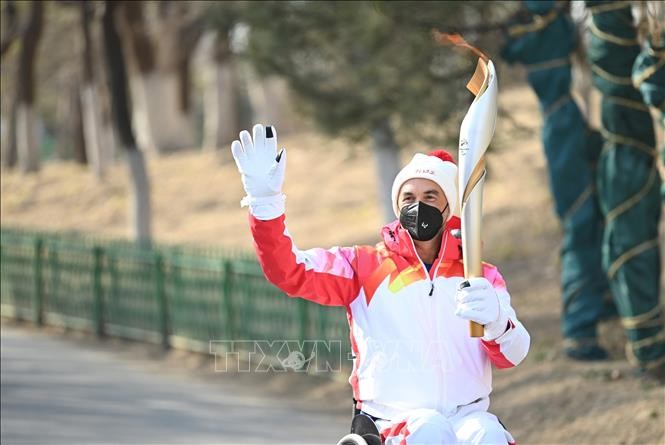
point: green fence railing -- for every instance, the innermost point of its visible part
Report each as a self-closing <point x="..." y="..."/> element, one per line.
<point x="178" y="296"/>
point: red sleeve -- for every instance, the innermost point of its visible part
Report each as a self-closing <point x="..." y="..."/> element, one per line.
<point x="494" y="353"/>
<point x="323" y="276"/>
<point x="511" y="347"/>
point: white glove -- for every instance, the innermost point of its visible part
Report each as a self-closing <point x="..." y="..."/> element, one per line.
<point x="479" y="302"/>
<point x="261" y="167"/>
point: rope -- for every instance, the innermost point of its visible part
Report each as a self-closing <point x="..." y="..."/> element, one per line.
<point x="599" y="9"/>
<point x="539" y="22"/>
<point x="560" y="102"/>
<point x="649" y="341"/>
<point x="645" y="364"/>
<point x="653" y="364"/>
<point x="618" y="139"/>
<point x="620" y="80"/>
<point x="580" y="342"/>
<point x="642" y="320"/>
<point x="572" y="296"/>
<point x="586" y="194"/>
<point x="611" y="38"/>
<point x="652" y="52"/>
<point x="629" y="103"/>
<point x="648" y="72"/>
<point x="655" y="323"/>
<point x="549" y="64"/>
<point x="630" y="254"/>
<point x="633" y="200"/>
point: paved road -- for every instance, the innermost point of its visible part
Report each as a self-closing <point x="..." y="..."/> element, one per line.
<point x="55" y="392"/>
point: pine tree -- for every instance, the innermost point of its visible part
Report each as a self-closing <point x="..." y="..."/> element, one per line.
<point x="370" y="69"/>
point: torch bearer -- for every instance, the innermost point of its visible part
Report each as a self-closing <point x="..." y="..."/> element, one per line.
<point x="475" y="134"/>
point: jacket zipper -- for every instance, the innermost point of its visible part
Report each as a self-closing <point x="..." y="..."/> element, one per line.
<point x="422" y="264"/>
<point x="434" y="326"/>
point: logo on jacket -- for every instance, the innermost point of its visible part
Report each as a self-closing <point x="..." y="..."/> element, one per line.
<point x="398" y="277"/>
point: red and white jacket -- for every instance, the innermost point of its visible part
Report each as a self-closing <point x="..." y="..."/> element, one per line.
<point x="411" y="351"/>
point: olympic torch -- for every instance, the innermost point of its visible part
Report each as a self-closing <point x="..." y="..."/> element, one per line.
<point x="475" y="135"/>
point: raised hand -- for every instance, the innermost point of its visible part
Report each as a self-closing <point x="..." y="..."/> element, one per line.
<point x="260" y="165"/>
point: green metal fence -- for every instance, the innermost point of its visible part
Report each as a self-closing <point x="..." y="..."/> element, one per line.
<point x="175" y="295"/>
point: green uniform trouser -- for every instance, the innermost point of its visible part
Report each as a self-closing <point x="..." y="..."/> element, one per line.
<point x="628" y="183"/>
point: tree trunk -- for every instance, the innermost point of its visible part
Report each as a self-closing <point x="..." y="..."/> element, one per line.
<point x="183" y="84"/>
<point x="88" y="97"/>
<point x="8" y="147"/>
<point x="139" y="43"/>
<point x="140" y="215"/>
<point x="160" y="124"/>
<point x="92" y="130"/>
<point x="220" y="104"/>
<point x="78" y="136"/>
<point x="9" y="35"/>
<point x="10" y="29"/>
<point x="70" y="143"/>
<point x="107" y="135"/>
<point x="269" y="101"/>
<point x="386" y="153"/>
<point x="187" y="29"/>
<point x="140" y="185"/>
<point x="26" y="138"/>
<point x="161" y="116"/>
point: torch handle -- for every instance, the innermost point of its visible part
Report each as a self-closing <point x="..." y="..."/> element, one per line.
<point x="476" y="330"/>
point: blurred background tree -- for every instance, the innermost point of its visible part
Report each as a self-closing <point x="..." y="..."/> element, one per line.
<point x="197" y="73"/>
<point x="9" y="34"/>
<point x="161" y="37"/>
<point x="140" y="214"/>
<point x="372" y="69"/>
<point x="27" y="30"/>
<point x="226" y="105"/>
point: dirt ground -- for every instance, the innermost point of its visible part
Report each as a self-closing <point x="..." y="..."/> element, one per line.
<point x="331" y="192"/>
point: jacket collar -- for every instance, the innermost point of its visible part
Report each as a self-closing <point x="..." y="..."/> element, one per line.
<point x="398" y="240"/>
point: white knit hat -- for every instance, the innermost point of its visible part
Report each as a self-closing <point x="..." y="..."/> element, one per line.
<point x="439" y="167"/>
